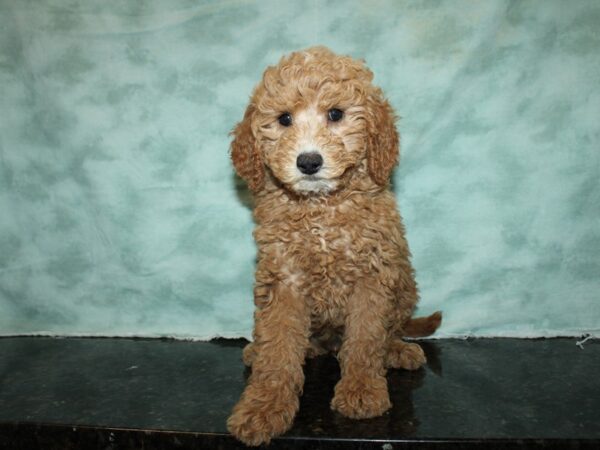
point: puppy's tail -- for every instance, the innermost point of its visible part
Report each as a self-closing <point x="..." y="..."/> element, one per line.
<point x="423" y="326"/>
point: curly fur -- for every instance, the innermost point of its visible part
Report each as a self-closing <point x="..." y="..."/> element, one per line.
<point x="333" y="271"/>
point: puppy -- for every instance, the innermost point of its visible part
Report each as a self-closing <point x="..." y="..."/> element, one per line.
<point x="316" y="146"/>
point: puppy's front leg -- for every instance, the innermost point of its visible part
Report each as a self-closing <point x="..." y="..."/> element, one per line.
<point x="270" y="401"/>
<point x="362" y="392"/>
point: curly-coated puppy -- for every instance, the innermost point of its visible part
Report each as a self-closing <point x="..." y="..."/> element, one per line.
<point x="316" y="146"/>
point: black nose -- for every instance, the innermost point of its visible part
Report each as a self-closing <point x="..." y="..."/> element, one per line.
<point x="309" y="163"/>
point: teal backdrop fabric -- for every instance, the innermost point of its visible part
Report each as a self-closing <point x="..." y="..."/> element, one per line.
<point x="120" y="213"/>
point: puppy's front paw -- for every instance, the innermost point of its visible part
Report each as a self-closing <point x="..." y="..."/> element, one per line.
<point x="262" y="413"/>
<point x="361" y="399"/>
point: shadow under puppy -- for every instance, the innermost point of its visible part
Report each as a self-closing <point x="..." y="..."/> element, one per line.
<point x="316" y="146"/>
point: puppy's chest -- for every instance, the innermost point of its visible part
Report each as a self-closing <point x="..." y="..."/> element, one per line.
<point x="324" y="253"/>
<point x="328" y="259"/>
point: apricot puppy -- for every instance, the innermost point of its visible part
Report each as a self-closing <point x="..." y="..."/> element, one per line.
<point x="316" y="146"/>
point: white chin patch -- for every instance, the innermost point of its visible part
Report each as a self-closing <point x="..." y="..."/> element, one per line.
<point x="314" y="185"/>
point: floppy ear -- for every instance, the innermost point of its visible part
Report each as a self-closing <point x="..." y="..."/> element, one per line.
<point x="383" y="142"/>
<point x="244" y="152"/>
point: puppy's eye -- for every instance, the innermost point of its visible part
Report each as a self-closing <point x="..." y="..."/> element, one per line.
<point x="335" y="115"/>
<point x="285" y="119"/>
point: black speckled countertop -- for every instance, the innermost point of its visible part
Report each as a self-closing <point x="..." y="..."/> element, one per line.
<point x="159" y="394"/>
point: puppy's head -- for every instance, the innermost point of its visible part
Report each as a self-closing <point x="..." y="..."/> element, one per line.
<point x="314" y="122"/>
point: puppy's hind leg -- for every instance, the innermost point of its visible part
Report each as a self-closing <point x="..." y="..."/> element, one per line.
<point x="410" y="355"/>
<point x="404" y="355"/>
<point x="249" y="354"/>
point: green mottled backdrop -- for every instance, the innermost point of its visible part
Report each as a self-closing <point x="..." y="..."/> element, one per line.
<point x="119" y="211"/>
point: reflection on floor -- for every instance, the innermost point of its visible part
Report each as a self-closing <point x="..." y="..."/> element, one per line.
<point x="127" y="393"/>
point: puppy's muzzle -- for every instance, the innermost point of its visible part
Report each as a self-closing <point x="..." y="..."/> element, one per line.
<point x="309" y="163"/>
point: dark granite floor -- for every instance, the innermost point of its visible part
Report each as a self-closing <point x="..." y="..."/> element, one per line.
<point x="121" y="393"/>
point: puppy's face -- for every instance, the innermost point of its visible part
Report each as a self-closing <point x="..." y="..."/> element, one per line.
<point x="313" y="121"/>
<point x="311" y="137"/>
